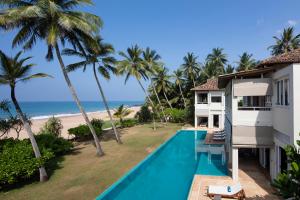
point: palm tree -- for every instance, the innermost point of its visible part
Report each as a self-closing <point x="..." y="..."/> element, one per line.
<point x="191" y="67"/>
<point x="178" y="76"/>
<point x="229" y="69"/>
<point x="162" y="83"/>
<point x="121" y="112"/>
<point x="96" y="53"/>
<point x="53" y="22"/>
<point x="151" y="59"/>
<point x="246" y="62"/>
<point x="287" y="42"/>
<point x="12" y="71"/>
<point x="133" y="65"/>
<point x="217" y="59"/>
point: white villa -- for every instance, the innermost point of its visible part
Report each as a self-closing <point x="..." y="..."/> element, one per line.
<point x="262" y="111"/>
<point x="209" y="105"/>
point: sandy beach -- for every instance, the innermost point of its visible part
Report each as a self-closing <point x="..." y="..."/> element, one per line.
<point x="70" y="122"/>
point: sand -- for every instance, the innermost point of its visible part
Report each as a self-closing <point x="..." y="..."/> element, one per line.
<point x="70" y="122"/>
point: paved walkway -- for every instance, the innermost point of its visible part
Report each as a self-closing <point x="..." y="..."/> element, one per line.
<point x="252" y="178"/>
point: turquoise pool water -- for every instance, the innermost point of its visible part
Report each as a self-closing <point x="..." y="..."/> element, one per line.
<point x="168" y="172"/>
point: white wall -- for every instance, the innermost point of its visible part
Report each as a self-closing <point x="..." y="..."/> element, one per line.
<point x="296" y="99"/>
<point x="283" y="115"/>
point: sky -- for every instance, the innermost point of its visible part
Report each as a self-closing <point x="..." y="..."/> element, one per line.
<point x="172" y="28"/>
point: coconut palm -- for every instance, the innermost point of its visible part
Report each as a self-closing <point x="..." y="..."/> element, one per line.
<point x="191" y="67"/>
<point x="54" y="22"/>
<point x="96" y="53"/>
<point x="246" y="62"/>
<point x="151" y="59"/>
<point x="133" y="65"/>
<point x="12" y="71"/>
<point x="121" y="112"/>
<point x="217" y="59"/>
<point x="286" y="42"/>
<point x="229" y="69"/>
<point x="162" y="83"/>
<point x="178" y="76"/>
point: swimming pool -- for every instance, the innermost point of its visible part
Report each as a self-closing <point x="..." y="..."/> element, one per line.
<point x="168" y="172"/>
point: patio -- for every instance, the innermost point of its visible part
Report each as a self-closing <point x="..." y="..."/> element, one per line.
<point x="252" y="177"/>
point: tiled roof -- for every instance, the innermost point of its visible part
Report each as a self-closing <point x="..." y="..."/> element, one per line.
<point x="211" y="84"/>
<point x="285" y="58"/>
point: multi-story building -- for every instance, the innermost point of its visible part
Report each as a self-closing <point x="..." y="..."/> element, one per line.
<point x="209" y="105"/>
<point x="262" y="110"/>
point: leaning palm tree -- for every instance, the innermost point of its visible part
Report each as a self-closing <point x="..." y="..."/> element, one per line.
<point x="133" y="65"/>
<point x="191" y="67"/>
<point x="217" y="59"/>
<point x="121" y="112"/>
<point x="96" y="53"/>
<point x="13" y="71"/>
<point x="151" y="59"/>
<point x="287" y="42"/>
<point x="162" y="83"/>
<point x="246" y="62"/>
<point x="53" y="22"/>
<point x="178" y="76"/>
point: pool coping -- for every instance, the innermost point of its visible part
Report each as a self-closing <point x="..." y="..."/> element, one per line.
<point x="127" y="174"/>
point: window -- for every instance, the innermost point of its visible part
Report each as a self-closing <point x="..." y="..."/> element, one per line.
<point x="216" y="99"/>
<point x="255" y="103"/>
<point x="202" y="98"/>
<point x="283" y="87"/>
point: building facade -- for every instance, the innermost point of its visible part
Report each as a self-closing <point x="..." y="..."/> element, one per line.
<point x="262" y="111"/>
<point x="209" y="105"/>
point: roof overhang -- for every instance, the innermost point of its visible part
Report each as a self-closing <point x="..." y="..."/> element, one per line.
<point x="223" y="80"/>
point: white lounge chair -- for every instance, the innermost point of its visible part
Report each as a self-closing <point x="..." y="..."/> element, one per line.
<point x="236" y="191"/>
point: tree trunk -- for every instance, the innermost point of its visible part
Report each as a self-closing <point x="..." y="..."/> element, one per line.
<point x="167" y="99"/>
<point x="193" y="81"/>
<point x="118" y="139"/>
<point x="182" y="95"/>
<point x="62" y="65"/>
<point x="37" y="153"/>
<point x="160" y="105"/>
<point x="151" y="102"/>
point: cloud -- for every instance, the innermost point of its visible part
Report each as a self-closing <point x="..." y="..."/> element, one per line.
<point x="292" y="22"/>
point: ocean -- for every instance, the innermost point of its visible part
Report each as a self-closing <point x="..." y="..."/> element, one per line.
<point x="44" y="109"/>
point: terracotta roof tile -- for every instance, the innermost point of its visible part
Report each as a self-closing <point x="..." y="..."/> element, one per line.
<point x="211" y="84"/>
<point x="285" y="58"/>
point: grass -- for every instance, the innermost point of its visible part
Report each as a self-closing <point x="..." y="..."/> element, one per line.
<point x="82" y="175"/>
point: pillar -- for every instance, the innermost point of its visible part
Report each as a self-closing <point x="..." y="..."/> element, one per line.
<point x="235" y="164"/>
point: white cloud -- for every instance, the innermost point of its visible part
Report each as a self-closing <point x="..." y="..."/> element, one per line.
<point x="292" y="22"/>
<point x="260" y="21"/>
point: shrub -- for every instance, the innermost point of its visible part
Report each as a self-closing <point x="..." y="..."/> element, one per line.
<point x="53" y="126"/>
<point x="97" y="123"/>
<point x="17" y="160"/>
<point x="83" y="131"/>
<point x="129" y="123"/>
<point x="50" y="142"/>
<point x="144" y="115"/>
<point x="176" y="115"/>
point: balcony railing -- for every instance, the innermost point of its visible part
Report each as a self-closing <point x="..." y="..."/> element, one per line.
<point x="254" y="108"/>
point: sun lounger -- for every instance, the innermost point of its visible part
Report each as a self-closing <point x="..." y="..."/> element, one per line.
<point x="219" y="136"/>
<point x="235" y="191"/>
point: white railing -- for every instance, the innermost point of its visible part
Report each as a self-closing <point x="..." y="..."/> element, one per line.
<point x="258" y="108"/>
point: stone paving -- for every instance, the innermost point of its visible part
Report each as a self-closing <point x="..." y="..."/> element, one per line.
<point x="252" y="178"/>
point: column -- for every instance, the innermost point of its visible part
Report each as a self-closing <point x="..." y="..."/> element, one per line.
<point x="235" y="164"/>
<point x="273" y="165"/>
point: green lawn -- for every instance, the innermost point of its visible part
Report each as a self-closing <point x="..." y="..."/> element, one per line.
<point x="82" y="175"/>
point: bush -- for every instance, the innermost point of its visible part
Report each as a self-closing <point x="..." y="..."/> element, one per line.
<point x="57" y="145"/>
<point x="144" y="115"/>
<point x="98" y="123"/>
<point x="17" y="160"/>
<point x="53" y="126"/>
<point x="176" y="115"/>
<point x="83" y="131"/>
<point x="129" y="123"/>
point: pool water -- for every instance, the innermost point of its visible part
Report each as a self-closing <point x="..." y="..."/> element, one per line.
<point x="168" y="172"/>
